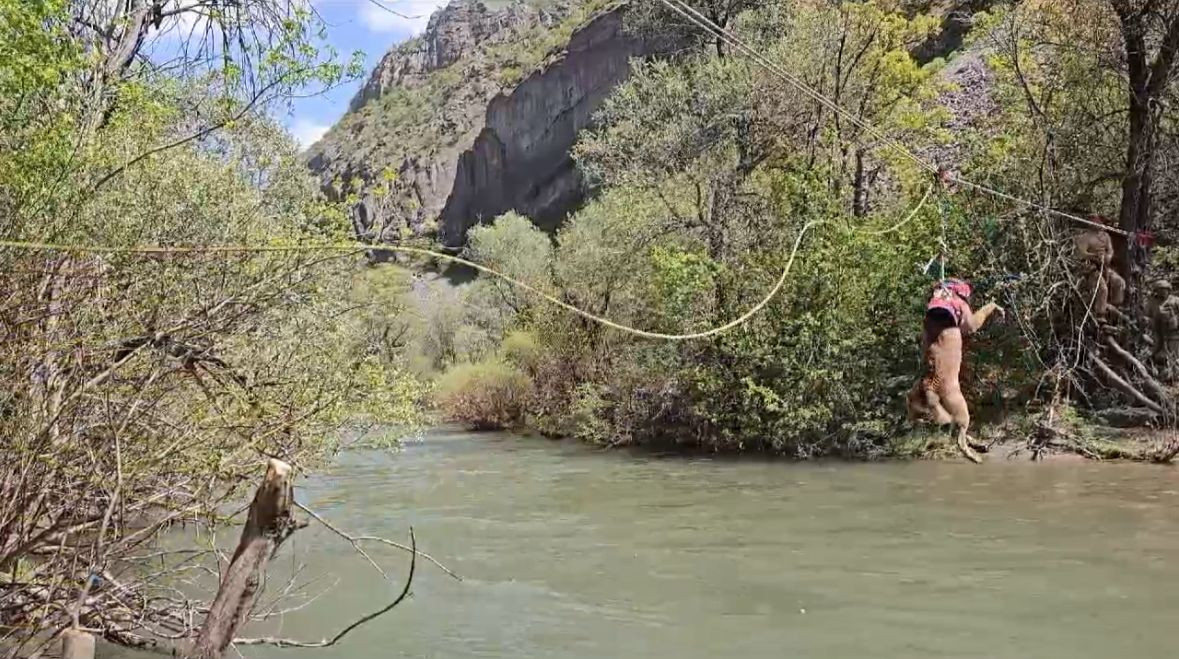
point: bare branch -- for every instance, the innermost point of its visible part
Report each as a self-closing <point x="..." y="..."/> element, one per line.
<point x="355" y="541"/>
<point x="1126" y="388"/>
<point x="291" y="643"/>
<point x="1156" y="389"/>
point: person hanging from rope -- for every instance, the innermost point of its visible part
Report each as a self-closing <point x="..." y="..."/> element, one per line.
<point x="937" y="395"/>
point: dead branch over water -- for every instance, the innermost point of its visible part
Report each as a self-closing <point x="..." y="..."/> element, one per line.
<point x="269" y="524"/>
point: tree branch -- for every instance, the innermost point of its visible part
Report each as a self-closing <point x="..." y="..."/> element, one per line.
<point x="1124" y="386"/>
<point x="1153" y="385"/>
<point x="356" y="540"/>
<point x="1160" y="71"/>
<point x="291" y="643"/>
<point x="191" y="137"/>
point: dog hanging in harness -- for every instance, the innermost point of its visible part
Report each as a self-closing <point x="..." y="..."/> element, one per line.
<point x="937" y="395"/>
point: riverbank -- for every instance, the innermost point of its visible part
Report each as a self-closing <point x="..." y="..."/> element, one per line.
<point x="524" y="385"/>
<point x="1018" y="437"/>
<point x="1029" y="438"/>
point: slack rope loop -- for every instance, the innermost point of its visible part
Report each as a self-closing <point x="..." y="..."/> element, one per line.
<point x="420" y="251"/>
<point x="703" y="22"/>
<point x="898" y="225"/>
<point x="359" y="247"/>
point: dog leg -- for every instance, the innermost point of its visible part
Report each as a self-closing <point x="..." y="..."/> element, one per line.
<point x="955" y="404"/>
<point x="915" y="404"/>
<point x="924" y="404"/>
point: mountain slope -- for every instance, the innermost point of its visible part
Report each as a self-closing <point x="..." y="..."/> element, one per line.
<point x="476" y="117"/>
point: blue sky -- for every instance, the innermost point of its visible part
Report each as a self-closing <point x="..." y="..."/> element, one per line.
<point x="355" y="25"/>
<point x="369" y="26"/>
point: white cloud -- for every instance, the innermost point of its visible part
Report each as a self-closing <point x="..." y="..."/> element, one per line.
<point x="411" y="15"/>
<point x="307" y="132"/>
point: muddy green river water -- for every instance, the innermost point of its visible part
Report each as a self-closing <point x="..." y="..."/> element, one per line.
<point x="570" y="552"/>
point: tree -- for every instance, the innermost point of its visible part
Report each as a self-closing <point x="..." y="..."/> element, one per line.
<point x="144" y="390"/>
<point x="514" y="246"/>
<point x="1083" y="123"/>
<point x="708" y="167"/>
<point x="1150" y="40"/>
<point x="857" y="54"/>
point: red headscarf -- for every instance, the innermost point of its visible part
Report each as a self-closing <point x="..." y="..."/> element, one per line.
<point x="951" y="295"/>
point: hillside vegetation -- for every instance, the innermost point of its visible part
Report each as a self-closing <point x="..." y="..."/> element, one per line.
<point x="145" y="392"/>
<point x="707" y="167"/>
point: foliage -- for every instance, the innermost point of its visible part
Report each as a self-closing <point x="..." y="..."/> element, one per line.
<point x="513" y="246"/>
<point x="521" y="349"/>
<point x="141" y="391"/>
<point x="486" y="395"/>
<point x="439" y="324"/>
<point x="707" y="168"/>
<point x="516" y="59"/>
<point x="1070" y="130"/>
<point x="656" y="21"/>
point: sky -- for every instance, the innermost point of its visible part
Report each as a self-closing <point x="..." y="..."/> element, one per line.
<point x="355" y="25"/>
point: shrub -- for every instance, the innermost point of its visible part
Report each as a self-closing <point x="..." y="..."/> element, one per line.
<point x="521" y="350"/>
<point x="486" y="395"/>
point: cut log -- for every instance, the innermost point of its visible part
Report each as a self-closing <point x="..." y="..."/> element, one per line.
<point x="269" y="523"/>
<point x="77" y="644"/>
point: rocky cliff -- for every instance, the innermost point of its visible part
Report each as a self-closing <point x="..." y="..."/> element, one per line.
<point x="476" y="117"/>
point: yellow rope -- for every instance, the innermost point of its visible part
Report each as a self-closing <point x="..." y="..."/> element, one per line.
<point x="357" y="246"/>
<point x="898" y="225"/>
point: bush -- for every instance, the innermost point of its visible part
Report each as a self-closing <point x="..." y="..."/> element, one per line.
<point x="521" y="349"/>
<point x="486" y="395"/>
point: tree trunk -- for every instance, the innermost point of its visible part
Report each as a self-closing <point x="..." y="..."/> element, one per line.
<point x="1147" y="83"/>
<point x="716" y="252"/>
<point x="721" y="22"/>
<point x="1134" y="213"/>
<point x="123" y="45"/>
<point x="1138" y="80"/>
<point x="860" y="187"/>
<point x="268" y="525"/>
<point x="76" y="644"/>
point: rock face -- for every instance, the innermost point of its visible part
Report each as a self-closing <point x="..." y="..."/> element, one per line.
<point x="520" y="160"/>
<point x="969" y="97"/>
<point x="476" y="117"/>
<point x="969" y="100"/>
<point x="455" y="31"/>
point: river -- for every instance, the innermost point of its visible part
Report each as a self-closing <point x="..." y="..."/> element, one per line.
<point x="570" y="552"/>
